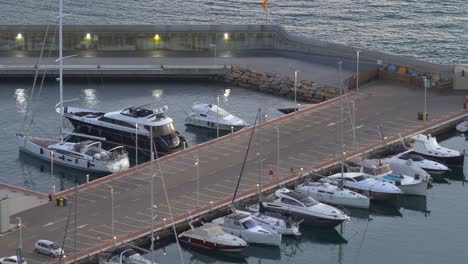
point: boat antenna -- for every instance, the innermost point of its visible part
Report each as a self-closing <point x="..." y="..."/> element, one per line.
<point x="341" y="124"/>
<point x="245" y="158"/>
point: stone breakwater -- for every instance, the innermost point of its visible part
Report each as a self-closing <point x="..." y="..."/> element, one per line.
<point x="272" y="83"/>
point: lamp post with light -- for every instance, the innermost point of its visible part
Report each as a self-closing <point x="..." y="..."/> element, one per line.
<point x="357" y="71"/>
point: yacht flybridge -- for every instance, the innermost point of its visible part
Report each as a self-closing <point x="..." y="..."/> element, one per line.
<point x="124" y="126"/>
<point x="211" y="116"/>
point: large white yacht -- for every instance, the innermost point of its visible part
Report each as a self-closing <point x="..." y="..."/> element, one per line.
<point x="245" y="227"/>
<point x="427" y="146"/>
<point x="122" y="127"/>
<point x="85" y="155"/>
<point x="362" y="183"/>
<point x="303" y="207"/>
<point x="212" y="236"/>
<point x="331" y="194"/>
<point x="407" y="184"/>
<point x="431" y="166"/>
<point x="211" y="116"/>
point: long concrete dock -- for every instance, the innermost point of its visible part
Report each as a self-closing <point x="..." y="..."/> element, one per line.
<point x="308" y="139"/>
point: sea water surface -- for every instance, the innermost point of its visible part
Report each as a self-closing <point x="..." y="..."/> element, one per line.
<point x="431" y="30"/>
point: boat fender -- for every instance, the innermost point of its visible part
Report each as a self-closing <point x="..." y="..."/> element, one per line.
<point x="41" y="151"/>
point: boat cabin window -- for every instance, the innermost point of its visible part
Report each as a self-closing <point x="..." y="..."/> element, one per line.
<point x="203" y="115"/>
<point x="360" y="178"/>
<point x="290" y="202"/>
<point x="116" y="122"/>
<point x="417" y="158"/>
<point x="249" y="224"/>
<point x="308" y="201"/>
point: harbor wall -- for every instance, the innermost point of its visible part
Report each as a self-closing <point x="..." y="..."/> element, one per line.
<point x="195" y="38"/>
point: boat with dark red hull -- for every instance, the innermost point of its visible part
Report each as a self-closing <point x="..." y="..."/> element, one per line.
<point x="212" y="236"/>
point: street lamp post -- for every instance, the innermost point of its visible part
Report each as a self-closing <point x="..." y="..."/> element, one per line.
<point x="52" y="155"/>
<point x="425" y="98"/>
<point x="136" y="143"/>
<point x="341" y="118"/>
<point x="295" y="89"/>
<point x="20" y="225"/>
<point x="112" y="212"/>
<point x="217" y="118"/>
<point x="278" y="152"/>
<point x="357" y="71"/>
<point x="198" y="181"/>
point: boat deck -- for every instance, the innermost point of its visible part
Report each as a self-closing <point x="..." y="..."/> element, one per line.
<point x="308" y="139"/>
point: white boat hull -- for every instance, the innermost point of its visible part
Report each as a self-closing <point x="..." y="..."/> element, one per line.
<point x="419" y="189"/>
<point x="212" y="125"/>
<point x="26" y="145"/>
<point x="255" y="238"/>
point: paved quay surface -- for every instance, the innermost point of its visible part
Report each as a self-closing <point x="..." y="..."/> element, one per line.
<point x="320" y="69"/>
<point x="308" y="139"/>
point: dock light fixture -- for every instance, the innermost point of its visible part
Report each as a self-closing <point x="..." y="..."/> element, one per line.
<point x="19" y="36"/>
<point x="88" y="37"/>
<point x="226" y="36"/>
<point x="156" y="38"/>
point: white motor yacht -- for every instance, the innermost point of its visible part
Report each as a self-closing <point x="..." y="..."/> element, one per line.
<point x="407" y="184"/>
<point x="363" y="184"/>
<point x="303" y="207"/>
<point x="245" y="227"/>
<point x="212" y="236"/>
<point x="331" y="194"/>
<point x="209" y="115"/>
<point x="427" y="146"/>
<point x="125" y="256"/>
<point x="124" y="126"/>
<point x="431" y="166"/>
<point x="462" y="127"/>
<point x="85" y="155"/>
<point x="285" y="226"/>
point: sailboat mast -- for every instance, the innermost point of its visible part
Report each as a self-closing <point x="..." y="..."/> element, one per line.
<point x="61" y="68"/>
<point x="341" y="122"/>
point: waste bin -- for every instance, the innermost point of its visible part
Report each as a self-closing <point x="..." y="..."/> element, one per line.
<point x="60" y="202"/>
<point x="424" y="116"/>
<point x="420" y="117"/>
<point x="64" y="201"/>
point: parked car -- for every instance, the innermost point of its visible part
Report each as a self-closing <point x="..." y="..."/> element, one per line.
<point x="11" y="260"/>
<point x="48" y="248"/>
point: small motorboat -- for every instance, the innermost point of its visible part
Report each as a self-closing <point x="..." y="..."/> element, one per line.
<point x="285" y="226"/>
<point x="85" y="155"/>
<point x="463" y="126"/>
<point x="406" y="167"/>
<point x="363" y="184"/>
<point x="427" y="146"/>
<point x="382" y="171"/>
<point x="303" y="207"/>
<point x="209" y="115"/>
<point x="124" y="255"/>
<point x="212" y="236"/>
<point x="245" y="227"/>
<point x="431" y="166"/>
<point x="331" y="194"/>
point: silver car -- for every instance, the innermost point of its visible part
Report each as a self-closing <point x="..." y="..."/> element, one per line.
<point x="48" y="248"/>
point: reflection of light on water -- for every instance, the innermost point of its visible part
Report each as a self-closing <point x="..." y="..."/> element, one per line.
<point x="21" y="102"/>
<point x="90" y="97"/>
<point x="226" y="94"/>
<point x="157" y="94"/>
